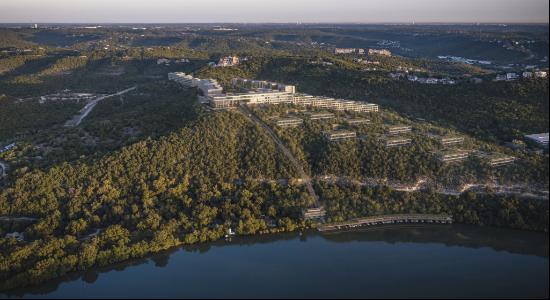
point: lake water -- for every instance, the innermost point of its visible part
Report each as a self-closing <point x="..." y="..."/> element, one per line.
<point x="404" y="261"/>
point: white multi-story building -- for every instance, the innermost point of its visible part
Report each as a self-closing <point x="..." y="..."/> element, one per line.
<point x="266" y="92"/>
<point x="209" y="87"/>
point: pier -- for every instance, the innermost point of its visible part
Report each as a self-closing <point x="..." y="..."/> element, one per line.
<point x="388" y="219"/>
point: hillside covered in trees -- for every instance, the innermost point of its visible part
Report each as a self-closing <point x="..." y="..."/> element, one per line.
<point x="154" y="169"/>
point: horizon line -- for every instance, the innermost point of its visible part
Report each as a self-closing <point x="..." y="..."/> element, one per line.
<point x="300" y="23"/>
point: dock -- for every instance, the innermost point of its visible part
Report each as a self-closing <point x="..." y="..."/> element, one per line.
<point x="388" y="219"/>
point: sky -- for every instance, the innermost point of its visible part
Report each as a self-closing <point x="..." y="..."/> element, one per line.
<point x="273" y="11"/>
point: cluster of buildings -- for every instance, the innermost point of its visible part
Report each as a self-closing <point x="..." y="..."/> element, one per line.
<point x="449" y="154"/>
<point x="422" y="80"/>
<point x="357" y="51"/>
<point x="228" y="61"/>
<point x="265" y="92"/>
<point x="511" y="76"/>
<point x="459" y="59"/>
<point x="393" y="138"/>
<point x="384" y="52"/>
<point x="166" y="61"/>
<point x="360" y="51"/>
<point x="208" y="87"/>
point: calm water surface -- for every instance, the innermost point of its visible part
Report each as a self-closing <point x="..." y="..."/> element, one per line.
<point x="424" y="261"/>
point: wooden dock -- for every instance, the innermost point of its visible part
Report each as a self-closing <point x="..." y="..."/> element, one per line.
<point x="388" y="219"/>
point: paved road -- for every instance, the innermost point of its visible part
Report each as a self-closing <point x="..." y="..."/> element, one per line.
<point x="76" y="120"/>
<point x="303" y="175"/>
<point x="6" y="218"/>
<point x="3" y="169"/>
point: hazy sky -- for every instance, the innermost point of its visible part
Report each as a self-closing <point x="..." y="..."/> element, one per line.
<point x="189" y="11"/>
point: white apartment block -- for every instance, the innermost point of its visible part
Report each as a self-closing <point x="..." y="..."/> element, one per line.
<point x="209" y="87"/>
<point x="265" y="92"/>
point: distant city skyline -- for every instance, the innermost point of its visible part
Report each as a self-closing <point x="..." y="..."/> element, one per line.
<point x="274" y="11"/>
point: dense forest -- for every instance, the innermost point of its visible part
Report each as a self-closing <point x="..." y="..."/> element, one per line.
<point x="344" y="202"/>
<point x="186" y="187"/>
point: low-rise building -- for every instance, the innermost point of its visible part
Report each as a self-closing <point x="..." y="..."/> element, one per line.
<point x="541" y="74"/>
<point x="228" y="61"/>
<point x="511" y="76"/>
<point x="500" y="77"/>
<point x="398" y="129"/>
<point x="496" y="160"/>
<point x="412" y="78"/>
<point x="357" y="121"/>
<point x="321" y="116"/>
<point x="349" y="51"/>
<point x="453" y="155"/>
<point x="337" y="135"/>
<point x="432" y="80"/>
<point x="396" y="141"/>
<point x="384" y="52"/>
<point x="314" y="213"/>
<point x="451" y="140"/>
<point x="289" y="122"/>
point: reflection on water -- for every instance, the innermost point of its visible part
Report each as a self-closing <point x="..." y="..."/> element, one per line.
<point x="434" y="252"/>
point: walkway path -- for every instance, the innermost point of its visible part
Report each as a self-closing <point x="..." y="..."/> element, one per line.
<point x="303" y="175"/>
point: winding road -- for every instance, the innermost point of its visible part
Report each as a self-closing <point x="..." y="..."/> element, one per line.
<point x="77" y="119"/>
